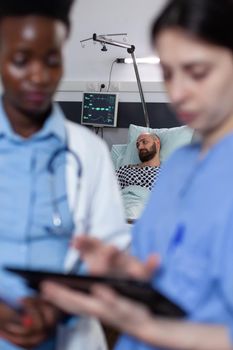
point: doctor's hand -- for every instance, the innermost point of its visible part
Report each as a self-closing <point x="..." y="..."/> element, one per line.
<point x="7" y="315"/>
<point x="102" y="259"/>
<point x="31" y="328"/>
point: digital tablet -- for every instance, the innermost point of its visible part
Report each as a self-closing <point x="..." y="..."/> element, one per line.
<point x="131" y="288"/>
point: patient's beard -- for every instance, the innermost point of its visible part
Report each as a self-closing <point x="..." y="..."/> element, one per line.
<point x="147" y="155"/>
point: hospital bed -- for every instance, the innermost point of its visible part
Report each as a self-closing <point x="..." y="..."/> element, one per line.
<point x="134" y="198"/>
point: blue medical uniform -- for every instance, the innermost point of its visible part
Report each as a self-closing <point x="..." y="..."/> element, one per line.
<point x="27" y="236"/>
<point x="189" y="223"/>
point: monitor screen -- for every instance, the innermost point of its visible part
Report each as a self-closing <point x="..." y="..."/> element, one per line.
<point x="99" y="109"/>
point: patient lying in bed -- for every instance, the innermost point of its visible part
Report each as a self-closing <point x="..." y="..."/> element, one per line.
<point x="136" y="181"/>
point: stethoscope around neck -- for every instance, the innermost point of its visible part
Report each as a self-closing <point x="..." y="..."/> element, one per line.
<point x="56" y="215"/>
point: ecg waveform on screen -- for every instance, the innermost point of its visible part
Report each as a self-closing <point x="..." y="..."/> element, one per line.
<point x="99" y="109"/>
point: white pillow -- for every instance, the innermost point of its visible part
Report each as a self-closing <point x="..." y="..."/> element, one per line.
<point x="117" y="154"/>
<point x="171" y="139"/>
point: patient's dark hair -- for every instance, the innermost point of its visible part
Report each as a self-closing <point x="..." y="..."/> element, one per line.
<point x="208" y="20"/>
<point x="56" y="9"/>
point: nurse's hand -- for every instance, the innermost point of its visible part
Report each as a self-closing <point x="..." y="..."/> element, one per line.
<point x="122" y="313"/>
<point x="135" y="319"/>
<point x="104" y="259"/>
<point x="108" y="306"/>
<point x="33" y="327"/>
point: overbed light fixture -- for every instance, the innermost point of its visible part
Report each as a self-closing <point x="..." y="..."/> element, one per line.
<point x="145" y="60"/>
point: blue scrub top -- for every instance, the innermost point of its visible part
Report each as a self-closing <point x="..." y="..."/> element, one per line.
<point x="189" y="223"/>
<point x="27" y="236"/>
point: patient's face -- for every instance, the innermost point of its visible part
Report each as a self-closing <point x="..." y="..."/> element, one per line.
<point x="147" y="148"/>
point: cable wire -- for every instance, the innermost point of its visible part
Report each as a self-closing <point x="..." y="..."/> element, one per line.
<point x="110" y="75"/>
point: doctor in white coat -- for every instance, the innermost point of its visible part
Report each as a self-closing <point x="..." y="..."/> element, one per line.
<point x="56" y="177"/>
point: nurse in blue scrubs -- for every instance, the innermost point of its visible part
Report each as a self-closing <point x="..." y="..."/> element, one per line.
<point x="188" y="221"/>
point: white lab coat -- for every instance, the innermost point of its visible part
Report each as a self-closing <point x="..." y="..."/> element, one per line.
<point x="99" y="208"/>
<point x="98" y="212"/>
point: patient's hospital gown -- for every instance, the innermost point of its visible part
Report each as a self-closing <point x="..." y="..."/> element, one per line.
<point x="135" y="175"/>
<point x="136" y="183"/>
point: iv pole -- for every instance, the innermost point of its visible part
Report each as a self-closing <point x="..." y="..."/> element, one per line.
<point x="130" y="49"/>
